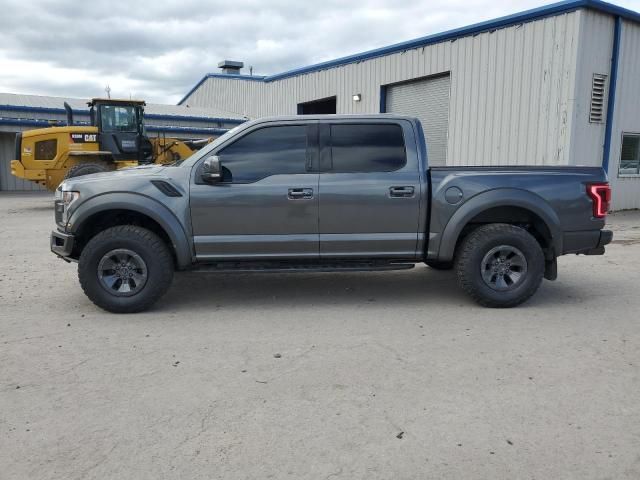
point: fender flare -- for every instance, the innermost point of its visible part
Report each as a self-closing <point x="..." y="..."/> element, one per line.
<point x="502" y="197"/>
<point x="144" y="205"/>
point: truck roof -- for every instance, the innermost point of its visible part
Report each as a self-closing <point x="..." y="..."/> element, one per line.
<point x="368" y="116"/>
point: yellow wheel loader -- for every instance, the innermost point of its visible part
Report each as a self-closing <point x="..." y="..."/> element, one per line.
<point x="114" y="139"/>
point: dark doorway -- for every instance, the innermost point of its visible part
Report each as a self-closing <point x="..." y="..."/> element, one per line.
<point x="322" y="106"/>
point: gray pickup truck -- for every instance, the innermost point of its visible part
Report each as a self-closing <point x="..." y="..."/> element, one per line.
<point x="326" y="193"/>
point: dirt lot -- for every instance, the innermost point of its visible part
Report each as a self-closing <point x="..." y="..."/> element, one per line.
<point x="384" y="375"/>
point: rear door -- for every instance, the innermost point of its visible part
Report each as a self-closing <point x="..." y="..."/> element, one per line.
<point x="266" y="206"/>
<point x="369" y="190"/>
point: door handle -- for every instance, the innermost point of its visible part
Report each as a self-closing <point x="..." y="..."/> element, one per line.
<point x="300" y="193"/>
<point x="401" y="192"/>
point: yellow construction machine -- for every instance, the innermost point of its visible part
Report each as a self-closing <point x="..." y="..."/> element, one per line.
<point x="114" y="139"/>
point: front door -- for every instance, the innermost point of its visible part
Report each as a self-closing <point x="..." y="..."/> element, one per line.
<point x="266" y="206"/>
<point x="369" y="191"/>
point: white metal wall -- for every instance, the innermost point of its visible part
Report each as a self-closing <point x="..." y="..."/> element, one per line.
<point x="626" y="190"/>
<point x="8" y="181"/>
<point x="512" y="90"/>
<point x="596" y="43"/>
<point x="427" y="100"/>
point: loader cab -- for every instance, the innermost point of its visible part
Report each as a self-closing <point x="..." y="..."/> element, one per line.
<point x="121" y="128"/>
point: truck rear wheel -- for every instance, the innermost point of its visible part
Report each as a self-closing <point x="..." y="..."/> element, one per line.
<point x="500" y="265"/>
<point x="86" y="169"/>
<point x="125" y="269"/>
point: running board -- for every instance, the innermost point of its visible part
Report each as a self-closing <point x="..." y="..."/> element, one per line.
<point x="287" y="267"/>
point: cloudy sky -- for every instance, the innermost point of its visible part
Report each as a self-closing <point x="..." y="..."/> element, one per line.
<point x="157" y="50"/>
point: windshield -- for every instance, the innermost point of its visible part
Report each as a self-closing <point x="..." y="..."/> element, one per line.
<point x="204" y="151"/>
<point x="118" y="119"/>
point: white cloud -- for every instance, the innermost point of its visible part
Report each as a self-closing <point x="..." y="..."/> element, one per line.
<point x="159" y="50"/>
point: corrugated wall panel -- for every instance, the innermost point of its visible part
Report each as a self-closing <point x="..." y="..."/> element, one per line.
<point x="7" y="181"/>
<point x="512" y="90"/>
<point x="626" y="190"/>
<point x="596" y="41"/>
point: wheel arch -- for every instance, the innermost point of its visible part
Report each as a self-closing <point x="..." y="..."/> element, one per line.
<point x="512" y="206"/>
<point x="104" y="211"/>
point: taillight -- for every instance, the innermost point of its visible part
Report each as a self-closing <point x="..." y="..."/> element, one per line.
<point x="600" y="194"/>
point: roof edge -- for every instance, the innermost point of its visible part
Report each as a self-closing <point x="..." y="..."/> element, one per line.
<point x="558" y="8"/>
<point x="156" y="116"/>
<point x="25" y="122"/>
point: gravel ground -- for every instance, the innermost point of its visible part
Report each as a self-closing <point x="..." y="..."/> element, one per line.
<point x="350" y="375"/>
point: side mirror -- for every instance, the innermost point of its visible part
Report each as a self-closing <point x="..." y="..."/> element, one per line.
<point x="211" y="171"/>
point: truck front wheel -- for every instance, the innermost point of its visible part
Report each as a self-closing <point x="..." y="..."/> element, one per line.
<point x="125" y="269"/>
<point x="500" y="265"/>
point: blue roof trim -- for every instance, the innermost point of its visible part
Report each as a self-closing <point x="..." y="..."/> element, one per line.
<point x="156" y="116"/>
<point x="26" y="108"/>
<point x="24" y="122"/>
<point x="205" y="131"/>
<point x="514" y="19"/>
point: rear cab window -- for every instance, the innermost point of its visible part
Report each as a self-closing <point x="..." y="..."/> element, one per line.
<point x="366" y="147"/>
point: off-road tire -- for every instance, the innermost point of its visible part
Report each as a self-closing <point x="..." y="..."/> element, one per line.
<point x="436" y="265"/>
<point x="149" y="246"/>
<point x="474" y="248"/>
<point x="87" y="169"/>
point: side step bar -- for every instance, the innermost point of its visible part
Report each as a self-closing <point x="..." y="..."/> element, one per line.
<point x="282" y="266"/>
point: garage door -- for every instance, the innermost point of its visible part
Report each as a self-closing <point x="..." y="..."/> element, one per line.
<point x="428" y="100"/>
<point x="7" y="181"/>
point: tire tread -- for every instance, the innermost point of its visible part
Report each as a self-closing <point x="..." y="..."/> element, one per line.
<point x="464" y="269"/>
<point x="158" y="249"/>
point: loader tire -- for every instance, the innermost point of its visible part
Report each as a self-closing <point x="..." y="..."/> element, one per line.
<point x="86" y="169"/>
<point x="125" y="269"/>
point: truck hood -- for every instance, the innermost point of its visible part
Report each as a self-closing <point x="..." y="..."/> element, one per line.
<point x="124" y="174"/>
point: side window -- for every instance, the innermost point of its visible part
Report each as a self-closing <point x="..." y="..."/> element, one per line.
<point x="46" y="149"/>
<point x="630" y="155"/>
<point x="269" y="151"/>
<point x="367" y="148"/>
<point x="118" y="119"/>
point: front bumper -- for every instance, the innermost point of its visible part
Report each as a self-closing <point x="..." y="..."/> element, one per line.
<point x="62" y="244"/>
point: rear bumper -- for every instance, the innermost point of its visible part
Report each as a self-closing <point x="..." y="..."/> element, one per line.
<point x="62" y="244"/>
<point x="605" y="239"/>
<point x="590" y="242"/>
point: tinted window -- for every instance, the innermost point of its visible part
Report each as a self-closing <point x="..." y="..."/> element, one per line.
<point x="265" y="152"/>
<point x="367" y="148"/>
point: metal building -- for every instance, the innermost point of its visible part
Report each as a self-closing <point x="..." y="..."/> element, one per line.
<point x="25" y="112"/>
<point x="557" y="85"/>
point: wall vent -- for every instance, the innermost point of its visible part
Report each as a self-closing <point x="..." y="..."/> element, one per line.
<point x="596" y="112"/>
